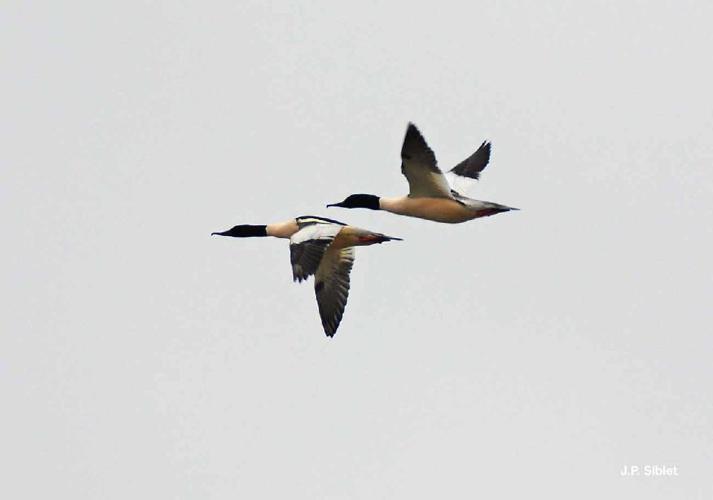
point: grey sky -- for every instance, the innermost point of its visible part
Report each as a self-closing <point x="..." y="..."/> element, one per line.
<point x="535" y="352"/>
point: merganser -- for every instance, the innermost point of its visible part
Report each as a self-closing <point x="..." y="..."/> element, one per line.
<point x="430" y="196"/>
<point x="323" y="248"/>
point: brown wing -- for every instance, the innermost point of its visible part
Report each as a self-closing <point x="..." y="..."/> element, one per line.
<point x="331" y="286"/>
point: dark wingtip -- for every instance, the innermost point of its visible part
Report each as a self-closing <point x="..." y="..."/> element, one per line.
<point x="381" y="238"/>
<point x="412" y="129"/>
<point x="329" y="329"/>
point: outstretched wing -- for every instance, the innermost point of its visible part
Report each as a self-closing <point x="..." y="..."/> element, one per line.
<point x="331" y="286"/>
<point x="418" y="164"/>
<point x="475" y="163"/>
<point x="463" y="175"/>
<point x="307" y="247"/>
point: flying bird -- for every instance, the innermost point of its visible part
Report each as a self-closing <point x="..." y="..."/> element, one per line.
<point x="430" y="195"/>
<point x="323" y="248"/>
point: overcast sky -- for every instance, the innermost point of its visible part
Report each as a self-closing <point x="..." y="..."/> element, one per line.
<point x="529" y="353"/>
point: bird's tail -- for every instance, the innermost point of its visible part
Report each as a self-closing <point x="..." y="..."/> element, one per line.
<point x="489" y="208"/>
<point x="372" y="238"/>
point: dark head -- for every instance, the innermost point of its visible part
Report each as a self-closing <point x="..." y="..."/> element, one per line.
<point x="244" y="231"/>
<point x="359" y="201"/>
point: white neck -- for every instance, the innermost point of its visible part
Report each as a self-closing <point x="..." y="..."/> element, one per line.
<point x="398" y="205"/>
<point x="282" y="229"/>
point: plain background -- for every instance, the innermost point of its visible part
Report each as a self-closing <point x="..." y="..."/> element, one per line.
<point x="530" y="353"/>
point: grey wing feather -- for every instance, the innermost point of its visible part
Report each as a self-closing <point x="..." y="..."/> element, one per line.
<point x="331" y="287"/>
<point x="307" y="247"/>
<point x="475" y="163"/>
<point x="418" y="164"/>
<point x="305" y="258"/>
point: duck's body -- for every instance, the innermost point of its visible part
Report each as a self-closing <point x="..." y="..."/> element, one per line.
<point x="323" y="248"/>
<point x="447" y="210"/>
<point x="430" y="195"/>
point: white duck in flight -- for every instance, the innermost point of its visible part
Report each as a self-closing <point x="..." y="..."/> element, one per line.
<point x="430" y="196"/>
<point x="323" y="247"/>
